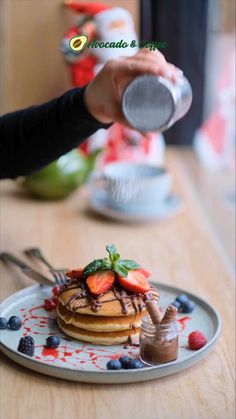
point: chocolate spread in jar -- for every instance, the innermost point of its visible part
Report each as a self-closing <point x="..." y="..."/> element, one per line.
<point x="159" y="342"/>
<point x="159" y="351"/>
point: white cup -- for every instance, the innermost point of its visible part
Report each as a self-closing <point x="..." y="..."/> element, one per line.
<point x="132" y="186"/>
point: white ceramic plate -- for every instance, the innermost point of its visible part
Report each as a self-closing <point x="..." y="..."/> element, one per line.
<point x="83" y="362"/>
<point x="100" y="204"/>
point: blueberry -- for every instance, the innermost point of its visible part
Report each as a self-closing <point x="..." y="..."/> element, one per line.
<point x="177" y="304"/>
<point x="53" y="342"/>
<point x="3" y="323"/>
<point x="124" y="360"/>
<point x="14" y="323"/>
<point x="187" y="307"/>
<point x="114" y="364"/>
<point x="182" y="298"/>
<point x="135" y="364"/>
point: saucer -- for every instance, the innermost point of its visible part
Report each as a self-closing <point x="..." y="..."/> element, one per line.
<point x="99" y="202"/>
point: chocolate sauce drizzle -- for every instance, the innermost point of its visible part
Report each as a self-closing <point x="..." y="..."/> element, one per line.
<point x="137" y="300"/>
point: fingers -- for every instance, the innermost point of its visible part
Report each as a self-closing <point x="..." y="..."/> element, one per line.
<point x="104" y="95"/>
<point x="151" y="59"/>
<point x="130" y="67"/>
<point x="157" y="54"/>
<point x="147" y="57"/>
<point x="156" y="58"/>
<point x="124" y="69"/>
<point x="125" y="74"/>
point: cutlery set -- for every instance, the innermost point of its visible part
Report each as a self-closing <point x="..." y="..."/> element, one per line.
<point x="59" y="275"/>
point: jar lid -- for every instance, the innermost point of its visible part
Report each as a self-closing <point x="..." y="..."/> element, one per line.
<point x="148" y="103"/>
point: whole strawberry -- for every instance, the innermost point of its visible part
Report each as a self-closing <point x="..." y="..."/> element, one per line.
<point x="196" y="340"/>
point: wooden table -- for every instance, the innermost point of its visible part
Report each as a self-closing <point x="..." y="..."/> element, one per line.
<point x="184" y="251"/>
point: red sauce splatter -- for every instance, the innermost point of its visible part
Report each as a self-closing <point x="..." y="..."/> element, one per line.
<point x="50" y="352"/>
<point x="64" y="353"/>
<point x="183" y="322"/>
<point x="68" y="353"/>
<point x="77" y="351"/>
<point x="115" y="356"/>
<point x="27" y="330"/>
<point x="34" y="316"/>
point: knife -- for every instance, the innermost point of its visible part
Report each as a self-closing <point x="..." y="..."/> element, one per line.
<point x="26" y="269"/>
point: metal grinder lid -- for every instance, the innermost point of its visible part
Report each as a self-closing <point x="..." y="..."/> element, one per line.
<point x="148" y="103"/>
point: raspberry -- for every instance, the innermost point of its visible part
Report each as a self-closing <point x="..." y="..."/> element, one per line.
<point x="55" y="301"/>
<point x="26" y="346"/>
<point x="196" y="340"/>
<point x="49" y="305"/>
<point x="55" y="291"/>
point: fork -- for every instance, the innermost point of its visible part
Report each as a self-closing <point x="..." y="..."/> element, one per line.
<point x="26" y="269"/>
<point x="59" y="275"/>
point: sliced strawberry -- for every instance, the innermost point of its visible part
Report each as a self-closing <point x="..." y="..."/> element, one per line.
<point x="75" y="273"/>
<point x="144" y="272"/>
<point x="134" y="282"/>
<point x="100" y="282"/>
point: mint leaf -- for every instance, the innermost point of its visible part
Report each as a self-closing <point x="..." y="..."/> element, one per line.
<point x="113" y="255"/>
<point x="114" y="263"/>
<point x="111" y="248"/>
<point x="97" y="265"/>
<point x="129" y="264"/>
<point x="123" y="266"/>
<point x="120" y="269"/>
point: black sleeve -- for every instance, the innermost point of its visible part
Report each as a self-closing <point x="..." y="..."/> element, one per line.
<point x="33" y="137"/>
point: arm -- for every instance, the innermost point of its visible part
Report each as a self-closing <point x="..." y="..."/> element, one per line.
<point x="33" y="137"/>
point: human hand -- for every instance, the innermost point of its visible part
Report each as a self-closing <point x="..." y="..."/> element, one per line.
<point x="103" y="96"/>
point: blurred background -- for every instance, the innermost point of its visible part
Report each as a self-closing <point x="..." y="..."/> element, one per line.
<point x="200" y="39"/>
<point x="32" y="67"/>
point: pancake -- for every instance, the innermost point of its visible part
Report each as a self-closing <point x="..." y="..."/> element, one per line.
<point x="99" y="323"/>
<point x="110" y="318"/>
<point x="98" y="338"/>
<point x="114" y="302"/>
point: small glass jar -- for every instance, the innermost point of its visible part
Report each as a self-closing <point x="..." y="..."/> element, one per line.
<point x="158" y="344"/>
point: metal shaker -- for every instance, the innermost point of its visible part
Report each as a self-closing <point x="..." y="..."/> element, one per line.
<point x="153" y="103"/>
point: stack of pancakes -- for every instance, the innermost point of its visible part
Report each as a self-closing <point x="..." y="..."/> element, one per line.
<point x="109" y="319"/>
